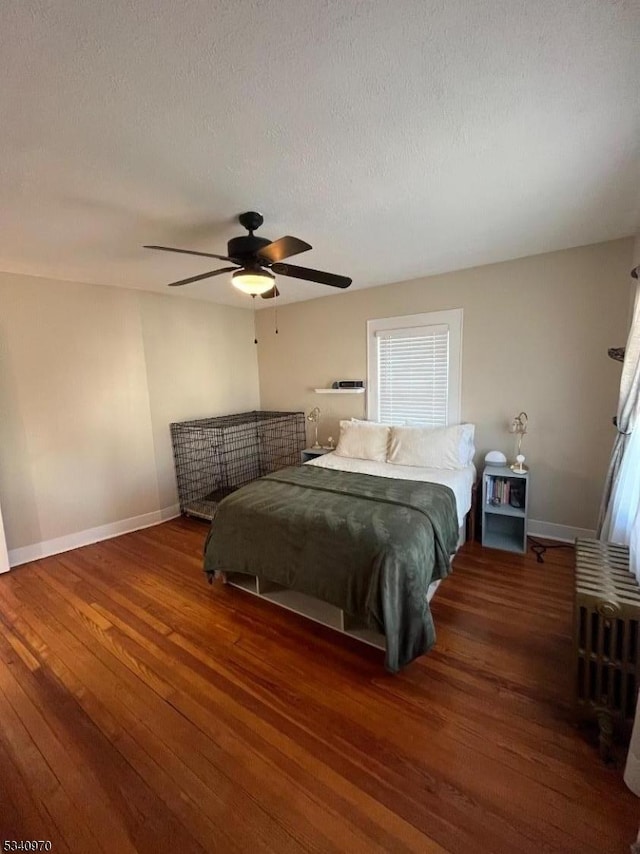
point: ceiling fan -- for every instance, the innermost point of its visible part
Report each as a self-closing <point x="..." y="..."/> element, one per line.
<point x="256" y="259"/>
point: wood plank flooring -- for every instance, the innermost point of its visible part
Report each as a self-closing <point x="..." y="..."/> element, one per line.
<point x="142" y="710"/>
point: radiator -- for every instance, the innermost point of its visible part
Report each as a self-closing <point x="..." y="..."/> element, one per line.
<point x="607" y="638"/>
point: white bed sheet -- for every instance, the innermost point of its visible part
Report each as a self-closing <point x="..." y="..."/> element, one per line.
<point x="460" y="481"/>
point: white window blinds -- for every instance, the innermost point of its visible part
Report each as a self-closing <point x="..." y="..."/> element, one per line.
<point x="413" y="375"/>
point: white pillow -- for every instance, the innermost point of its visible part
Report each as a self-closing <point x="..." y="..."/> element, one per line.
<point x="363" y="441"/>
<point x="467" y="447"/>
<point x="437" y="448"/>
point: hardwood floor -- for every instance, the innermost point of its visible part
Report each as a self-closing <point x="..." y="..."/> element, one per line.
<point x="143" y="710"/>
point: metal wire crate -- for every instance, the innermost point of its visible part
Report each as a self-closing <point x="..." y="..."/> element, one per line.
<point x="215" y="456"/>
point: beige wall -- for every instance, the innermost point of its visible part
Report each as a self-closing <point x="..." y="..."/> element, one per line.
<point x="201" y="361"/>
<point x="89" y="379"/>
<point x="536" y="334"/>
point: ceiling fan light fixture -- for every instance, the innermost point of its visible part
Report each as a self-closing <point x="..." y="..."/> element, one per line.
<point x="253" y="282"/>
<point x="252" y="256"/>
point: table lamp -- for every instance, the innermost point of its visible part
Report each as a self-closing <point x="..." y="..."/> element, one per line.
<point x="314" y="417"/>
<point x="519" y="427"/>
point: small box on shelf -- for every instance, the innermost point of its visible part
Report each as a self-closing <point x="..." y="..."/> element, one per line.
<point x="505" y="504"/>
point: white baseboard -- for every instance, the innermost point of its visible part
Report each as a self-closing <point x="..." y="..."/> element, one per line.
<point x="91" y="535"/>
<point x="564" y="533"/>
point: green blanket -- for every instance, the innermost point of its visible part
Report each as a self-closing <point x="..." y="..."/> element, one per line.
<point x="369" y="545"/>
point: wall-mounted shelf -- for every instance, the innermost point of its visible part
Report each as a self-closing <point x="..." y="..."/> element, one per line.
<point x="339" y="390"/>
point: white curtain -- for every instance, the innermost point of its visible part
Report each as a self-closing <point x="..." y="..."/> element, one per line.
<point x="634" y="546"/>
<point x="632" y="768"/>
<point x="619" y="513"/>
<point x="622" y="513"/>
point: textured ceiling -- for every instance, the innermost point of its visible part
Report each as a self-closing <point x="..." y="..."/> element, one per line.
<point x="399" y="137"/>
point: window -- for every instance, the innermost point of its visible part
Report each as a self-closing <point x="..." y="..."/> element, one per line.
<point x="414" y="367"/>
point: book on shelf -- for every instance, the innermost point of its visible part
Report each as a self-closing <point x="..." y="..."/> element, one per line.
<point x="500" y="491"/>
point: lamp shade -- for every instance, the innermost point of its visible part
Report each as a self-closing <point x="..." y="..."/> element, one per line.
<point x="253" y="282"/>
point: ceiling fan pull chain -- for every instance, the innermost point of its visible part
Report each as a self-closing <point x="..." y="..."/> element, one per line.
<point x="253" y="303"/>
<point x="275" y="306"/>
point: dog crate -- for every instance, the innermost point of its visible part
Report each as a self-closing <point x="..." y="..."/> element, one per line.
<point x="607" y="640"/>
<point x="215" y="456"/>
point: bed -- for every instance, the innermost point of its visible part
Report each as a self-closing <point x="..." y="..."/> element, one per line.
<point x="460" y="481"/>
<point x="358" y="545"/>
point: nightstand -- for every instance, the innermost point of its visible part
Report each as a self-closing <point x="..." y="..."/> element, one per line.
<point x="312" y="453"/>
<point x="505" y="508"/>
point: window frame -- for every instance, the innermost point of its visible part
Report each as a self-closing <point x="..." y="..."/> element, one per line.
<point x="451" y="318"/>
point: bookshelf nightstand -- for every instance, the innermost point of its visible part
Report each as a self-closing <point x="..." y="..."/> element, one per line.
<point x="505" y="508"/>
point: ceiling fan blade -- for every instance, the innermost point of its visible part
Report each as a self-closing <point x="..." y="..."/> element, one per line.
<point x="201" y="276"/>
<point x="310" y="275"/>
<point x="189" y="252"/>
<point x="274" y="292"/>
<point x="285" y="247"/>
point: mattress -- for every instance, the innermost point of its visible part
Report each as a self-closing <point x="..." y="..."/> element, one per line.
<point x="460" y="481"/>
